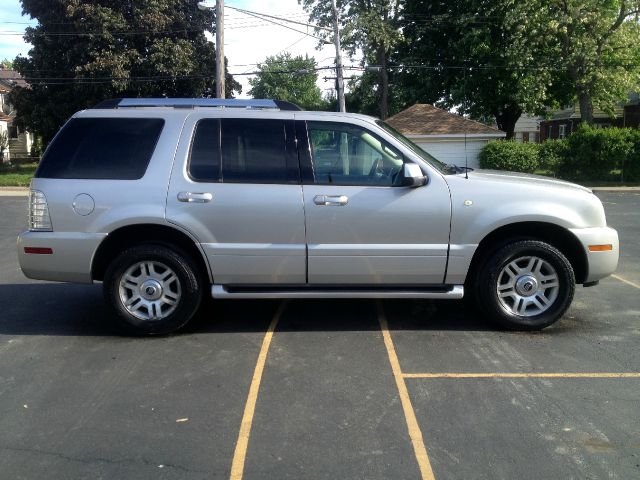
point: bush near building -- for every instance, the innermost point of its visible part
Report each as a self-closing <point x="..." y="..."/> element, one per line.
<point x="589" y="154"/>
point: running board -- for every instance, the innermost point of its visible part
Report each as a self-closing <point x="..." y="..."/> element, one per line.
<point x="451" y="292"/>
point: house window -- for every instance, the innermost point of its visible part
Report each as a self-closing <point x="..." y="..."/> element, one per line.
<point x="13" y="132"/>
<point x="525" y="137"/>
<point x="550" y="132"/>
<point x="536" y="137"/>
<point x="562" y="131"/>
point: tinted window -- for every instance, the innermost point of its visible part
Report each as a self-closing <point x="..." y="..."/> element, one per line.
<point x="204" y="161"/>
<point x="102" y="148"/>
<point x="345" y="154"/>
<point x="253" y="151"/>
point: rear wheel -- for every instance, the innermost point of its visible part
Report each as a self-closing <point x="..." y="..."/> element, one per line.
<point x="152" y="289"/>
<point x="526" y="285"/>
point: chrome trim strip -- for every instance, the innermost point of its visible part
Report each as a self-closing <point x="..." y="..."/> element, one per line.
<point x="220" y="291"/>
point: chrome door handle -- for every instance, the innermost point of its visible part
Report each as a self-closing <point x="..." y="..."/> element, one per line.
<point x="331" y="200"/>
<point x="193" y="197"/>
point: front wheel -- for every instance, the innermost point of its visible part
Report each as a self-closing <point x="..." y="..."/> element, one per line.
<point x="526" y="285"/>
<point x="152" y="290"/>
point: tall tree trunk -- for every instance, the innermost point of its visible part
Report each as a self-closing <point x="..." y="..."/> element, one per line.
<point x="586" y="106"/>
<point x="507" y="118"/>
<point x="384" y="82"/>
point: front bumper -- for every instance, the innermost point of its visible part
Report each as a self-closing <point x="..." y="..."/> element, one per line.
<point x="71" y="258"/>
<point x="600" y="263"/>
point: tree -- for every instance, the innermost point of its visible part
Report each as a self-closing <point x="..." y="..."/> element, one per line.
<point x="86" y="51"/>
<point x="293" y="79"/>
<point x="595" y="42"/>
<point x="7" y="64"/>
<point x="369" y="26"/>
<point x="469" y="54"/>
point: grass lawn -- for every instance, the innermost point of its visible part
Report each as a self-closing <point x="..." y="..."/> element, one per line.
<point x="17" y="175"/>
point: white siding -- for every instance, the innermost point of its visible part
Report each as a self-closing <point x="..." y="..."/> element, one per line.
<point x="454" y="151"/>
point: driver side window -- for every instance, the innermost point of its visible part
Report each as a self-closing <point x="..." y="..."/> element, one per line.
<point x="344" y="154"/>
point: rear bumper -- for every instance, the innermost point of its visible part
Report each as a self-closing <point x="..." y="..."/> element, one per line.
<point x="71" y="258"/>
<point x="601" y="263"/>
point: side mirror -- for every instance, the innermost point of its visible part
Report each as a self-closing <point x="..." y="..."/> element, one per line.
<point x="412" y="176"/>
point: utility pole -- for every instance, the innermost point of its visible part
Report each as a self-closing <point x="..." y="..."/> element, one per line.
<point x="219" y="9"/>
<point x="336" y="42"/>
<point x="220" y="49"/>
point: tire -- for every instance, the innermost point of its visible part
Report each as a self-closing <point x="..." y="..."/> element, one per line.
<point x="525" y="285"/>
<point x="152" y="290"/>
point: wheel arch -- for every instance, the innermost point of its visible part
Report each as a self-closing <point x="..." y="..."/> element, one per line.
<point x="138" y="234"/>
<point x="559" y="237"/>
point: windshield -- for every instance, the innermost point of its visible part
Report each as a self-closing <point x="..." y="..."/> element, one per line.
<point x="442" y="167"/>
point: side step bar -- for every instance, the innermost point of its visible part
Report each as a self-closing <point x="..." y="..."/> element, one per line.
<point x="451" y="292"/>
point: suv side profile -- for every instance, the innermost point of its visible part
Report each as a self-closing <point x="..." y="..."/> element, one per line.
<point x="166" y="200"/>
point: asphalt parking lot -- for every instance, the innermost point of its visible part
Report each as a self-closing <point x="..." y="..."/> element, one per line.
<point x="320" y="389"/>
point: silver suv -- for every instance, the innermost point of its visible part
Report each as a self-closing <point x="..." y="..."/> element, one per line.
<point x="163" y="200"/>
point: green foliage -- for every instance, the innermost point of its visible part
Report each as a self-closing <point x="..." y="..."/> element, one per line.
<point x="594" y="44"/>
<point x="471" y="54"/>
<point x="110" y="48"/>
<point x="552" y="155"/>
<point x="17" y="175"/>
<point x="283" y="77"/>
<point x="601" y="154"/>
<point x="510" y="155"/>
<point x="589" y="154"/>
<point x="4" y="140"/>
<point x="367" y="27"/>
<point x="7" y="64"/>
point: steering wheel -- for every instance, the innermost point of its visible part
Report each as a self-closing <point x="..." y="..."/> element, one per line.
<point x="377" y="169"/>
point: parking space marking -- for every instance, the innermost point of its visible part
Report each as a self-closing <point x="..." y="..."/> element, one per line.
<point x="412" y="423"/>
<point x="240" y="453"/>
<point x="628" y="282"/>
<point x="525" y="375"/>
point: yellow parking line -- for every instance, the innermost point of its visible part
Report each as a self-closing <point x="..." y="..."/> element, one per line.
<point x="412" y="423"/>
<point x="628" y="282"/>
<point x="525" y="375"/>
<point x="240" y="453"/>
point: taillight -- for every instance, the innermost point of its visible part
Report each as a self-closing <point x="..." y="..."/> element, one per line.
<point x="39" y="219"/>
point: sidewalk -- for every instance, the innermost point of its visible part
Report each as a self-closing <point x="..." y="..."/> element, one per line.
<point x="14" y="191"/>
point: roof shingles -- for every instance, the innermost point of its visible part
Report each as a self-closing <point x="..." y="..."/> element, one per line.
<point x="425" y="119"/>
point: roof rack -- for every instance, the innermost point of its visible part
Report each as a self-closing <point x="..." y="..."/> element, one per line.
<point x="257" y="104"/>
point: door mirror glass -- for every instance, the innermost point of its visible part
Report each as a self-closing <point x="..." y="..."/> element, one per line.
<point x="412" y="176"/>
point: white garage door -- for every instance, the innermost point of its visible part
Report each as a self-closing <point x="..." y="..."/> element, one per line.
<point x="454" y="152"/>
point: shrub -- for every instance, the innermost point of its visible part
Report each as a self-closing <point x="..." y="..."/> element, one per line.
<point x="510" y="155"/>
<point x="553" y="155"/>
<point x="594" y="153"/>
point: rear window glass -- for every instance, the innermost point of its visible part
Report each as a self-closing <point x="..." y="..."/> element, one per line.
<point x="102" y="148"/>
<point x="239" y="151"/>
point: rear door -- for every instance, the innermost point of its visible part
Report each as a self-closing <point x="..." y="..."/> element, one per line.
<point x="235" y="186"/>
<point x="362" y="227"/>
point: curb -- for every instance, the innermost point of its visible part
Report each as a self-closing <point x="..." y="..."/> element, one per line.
<point x="14" y="191"/>
<point x="615" y="189"/>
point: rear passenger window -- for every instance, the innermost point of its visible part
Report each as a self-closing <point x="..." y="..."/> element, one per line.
<point x="241" y="150"/>
<point x="253" y="151"/>
<point x="102" y="148"/>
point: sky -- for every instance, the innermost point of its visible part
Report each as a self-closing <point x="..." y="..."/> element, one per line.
<point x="248" y="41"/>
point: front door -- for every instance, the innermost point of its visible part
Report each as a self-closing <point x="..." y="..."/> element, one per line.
<point x="362" y="227"/>
<point x="235" y="186"/>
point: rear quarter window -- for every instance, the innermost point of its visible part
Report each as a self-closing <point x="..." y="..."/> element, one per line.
<point x="102" y="148"/>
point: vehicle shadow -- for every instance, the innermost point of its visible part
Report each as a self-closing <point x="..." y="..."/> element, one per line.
<point x="79" y="310"/>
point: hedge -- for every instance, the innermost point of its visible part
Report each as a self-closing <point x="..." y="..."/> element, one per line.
<point x="512" y="156"/>
<point x="609" y="154"/>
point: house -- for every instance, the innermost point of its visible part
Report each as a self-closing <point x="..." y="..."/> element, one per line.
<point x="527" y="129"/>
<point x="564" y="122"/>
<point x="449" y="137"/>
<point x="20" y="141"/>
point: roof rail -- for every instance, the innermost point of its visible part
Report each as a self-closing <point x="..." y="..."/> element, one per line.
<point x="258" y="104"/>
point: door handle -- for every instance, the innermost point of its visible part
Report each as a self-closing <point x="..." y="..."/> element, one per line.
<point x="193" y="197"/>
<point x="331" y="200"/>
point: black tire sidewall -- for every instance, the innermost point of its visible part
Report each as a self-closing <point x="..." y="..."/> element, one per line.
<point x="190" y="286"/>
<point x="488" y="279"/>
